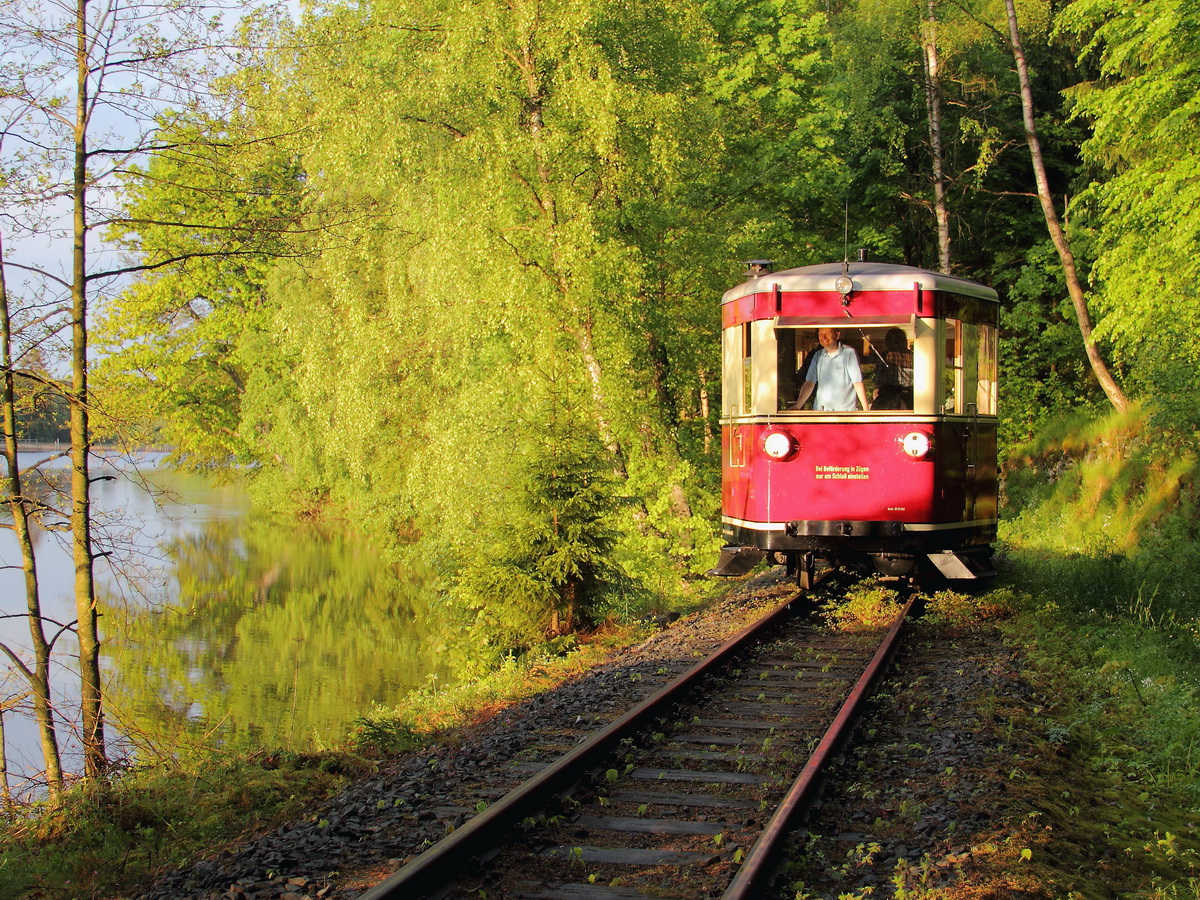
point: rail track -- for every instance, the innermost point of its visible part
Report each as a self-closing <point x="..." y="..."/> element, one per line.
<point x="688" y="795"/>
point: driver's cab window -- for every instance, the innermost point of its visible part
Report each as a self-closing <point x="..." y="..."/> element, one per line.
<point x="892" y="368"/>
<point x="794" y="349"/>
<point x="879" y="356"/>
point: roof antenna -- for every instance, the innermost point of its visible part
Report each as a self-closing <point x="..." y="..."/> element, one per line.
<point x="845" y="284"/>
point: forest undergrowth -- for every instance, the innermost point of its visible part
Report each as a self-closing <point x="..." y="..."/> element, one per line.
<point x="1100" y="535"/>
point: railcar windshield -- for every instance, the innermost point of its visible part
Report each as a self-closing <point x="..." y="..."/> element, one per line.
<point x="819" y="367"/>
<point x="928" y="366"/>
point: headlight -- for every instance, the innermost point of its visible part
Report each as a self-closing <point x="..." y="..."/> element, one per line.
<point x="916" y="445"/>
<point x="779" y="445"/>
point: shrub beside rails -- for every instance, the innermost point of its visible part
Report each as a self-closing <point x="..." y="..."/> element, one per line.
<point x="907" y="484"/>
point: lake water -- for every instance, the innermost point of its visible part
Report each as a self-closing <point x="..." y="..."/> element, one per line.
<point x="221" y="627"/>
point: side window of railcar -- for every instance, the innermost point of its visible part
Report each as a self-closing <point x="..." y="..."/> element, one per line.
<point x="969" y="402"/>
<point x="731" y="362"/>
<point x="952" y="368"/>
<point x="747" y="369"/>
<point x="988" y="351"/>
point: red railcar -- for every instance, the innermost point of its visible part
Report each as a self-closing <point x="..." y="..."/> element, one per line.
<point x="910" y="481"/>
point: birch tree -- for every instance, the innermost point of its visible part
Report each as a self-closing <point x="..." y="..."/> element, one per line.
<point x="99" y="78"/>
<point x="24" y="510"/>
<point x="1058" y="234"/>
<point x="933" y="106"/>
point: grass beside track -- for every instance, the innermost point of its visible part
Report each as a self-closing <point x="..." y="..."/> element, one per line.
<point x="108" y="838"/>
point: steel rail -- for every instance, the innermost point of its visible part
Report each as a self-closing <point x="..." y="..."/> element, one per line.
<point x="445" y="861"/>
<point x="758" y="868"/>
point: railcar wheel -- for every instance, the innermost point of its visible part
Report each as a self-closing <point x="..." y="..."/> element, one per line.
<point x="894" y="565"/>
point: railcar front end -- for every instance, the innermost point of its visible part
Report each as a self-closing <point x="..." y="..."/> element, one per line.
<point x="910" y="481"/>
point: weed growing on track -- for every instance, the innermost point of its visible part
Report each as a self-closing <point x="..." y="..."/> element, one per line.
<point x="869" y="604"/>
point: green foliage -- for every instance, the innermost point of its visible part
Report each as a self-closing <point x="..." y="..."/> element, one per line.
<point x="1104" y="537"/>
<point x="1145" y="201"/>
<point x="402" y="243"/>
<point x="390" y="373"/>
<point x="1112" y="487"/>
<point x="381" y="734"/>
<point x="968" y="611"/>
<point x="209" y="216"/>
<point x="453" y="282"/>
<point x="1045" y="369"/>
<point x="878" y="83"/>
<point x="545" y="553"/>
<point x="772" y="63"/>
<point x="1139" y="718"/>
<point x="43" y="414"/>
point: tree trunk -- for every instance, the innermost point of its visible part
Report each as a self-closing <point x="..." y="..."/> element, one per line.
<point x="39" y="683"/>
<point x="933" y="104"/>
<point x="1113" y="391"/>
<point x="570" y="594"/>
<point x="580" y="324"/>
<point x="4" y="788"/>
<point x="91" y="707"/>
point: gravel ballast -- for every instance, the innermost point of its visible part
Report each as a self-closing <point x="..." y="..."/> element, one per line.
<point x="935" y="819"/>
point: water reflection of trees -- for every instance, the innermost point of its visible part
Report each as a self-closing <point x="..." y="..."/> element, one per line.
<point x="278" y="638"/>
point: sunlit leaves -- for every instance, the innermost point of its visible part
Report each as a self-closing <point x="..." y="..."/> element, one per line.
<point x="210" y="217"/>
<point x="1144" y="111"/>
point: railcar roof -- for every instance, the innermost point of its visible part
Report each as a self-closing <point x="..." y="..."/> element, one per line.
<point x="866" y="277"/>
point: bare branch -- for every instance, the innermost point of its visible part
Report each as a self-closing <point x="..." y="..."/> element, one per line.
<point x="150" y="267"/>
<point x="17" y="661"/>
<point x="41" y="273"/>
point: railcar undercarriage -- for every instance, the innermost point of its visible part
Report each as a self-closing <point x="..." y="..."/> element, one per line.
<point x="961" y="564"/>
